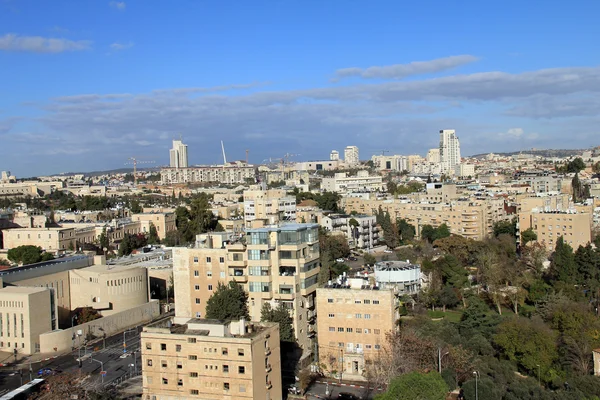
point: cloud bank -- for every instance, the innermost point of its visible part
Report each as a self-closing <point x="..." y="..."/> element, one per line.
<point x="39" y="44"/>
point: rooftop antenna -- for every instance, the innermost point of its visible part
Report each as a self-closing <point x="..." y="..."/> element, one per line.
<point x="223" y="148"/>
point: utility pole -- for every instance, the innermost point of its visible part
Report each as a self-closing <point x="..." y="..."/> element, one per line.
<point x="476" y="373"/>
<point x="341" y="364"/>
<point x="247" y="156"/>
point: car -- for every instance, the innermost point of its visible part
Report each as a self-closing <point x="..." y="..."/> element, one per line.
<point x="347" y="396"/>
<point x="340" y="260"/>
<point x="48" y="371"/>
<point x="352" y="258"/>
<point x="388" y="251"/>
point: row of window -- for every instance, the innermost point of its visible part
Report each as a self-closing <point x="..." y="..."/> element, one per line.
<point x="357" y="330"/>
<point x="356" y="301"/>
<point x="224" y="350"/>
<point x="209" y="259"/>
<point x="358" y="316"/>
<point x="196" y="392"/>
<point x="224" y="368"/>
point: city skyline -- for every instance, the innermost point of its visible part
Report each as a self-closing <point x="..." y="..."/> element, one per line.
<point x="281" y="78"/>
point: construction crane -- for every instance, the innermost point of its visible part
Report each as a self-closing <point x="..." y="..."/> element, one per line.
<point x="384" y="151"/>
<point x="135" y="162"/>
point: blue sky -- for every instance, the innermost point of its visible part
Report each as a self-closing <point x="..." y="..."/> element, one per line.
<point x="86" y="84"/>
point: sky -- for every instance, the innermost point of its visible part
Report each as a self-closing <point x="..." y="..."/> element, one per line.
<point x="85" y="85"/>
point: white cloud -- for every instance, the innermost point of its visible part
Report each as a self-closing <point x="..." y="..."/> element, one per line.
<point x="121" y="46"/>
<point x="514" y="132"/>
<point x="400" y="71"/>
<point x="119" y="5"/>
<point x="39" y="44"/>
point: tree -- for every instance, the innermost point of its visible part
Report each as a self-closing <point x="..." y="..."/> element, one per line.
<point x="228" y="303"/>
<point x="416" y="386"/>
<point x="528" y="343"/>
<point x="508" y="227"/>
<point x="103" y="239"/>
<point x="86" y="314"/>
<point x="563" y="267"/>
<point x="527" y="236"/>
<point x="153" y="235"/>
<point x="125" y="247"/>
<point x="369" y="259"/>
<point x="25" y="255"/>
<point x="406" y="231"/>
<point x="135" y="206"/>
<point x="282" y="317"/>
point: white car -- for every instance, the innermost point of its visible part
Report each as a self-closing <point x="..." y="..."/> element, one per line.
<point x="340" y="260"/>
<point x="388" y="251"/>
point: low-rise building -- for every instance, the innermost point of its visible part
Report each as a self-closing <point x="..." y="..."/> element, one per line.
<point x="163" y="221"/>
<point x="231" y="173"/>
<point x="49" y="239"/>
<point x="352" y="324"/>
<point x="574" y="227"/>
<point x="361" y="231"/>
<point x="362" y="181"/>
<point x="25" y="313"/>
<point x="401" y="276"/>
<point x="268" y="206"/>
<point x="212" y="360"/>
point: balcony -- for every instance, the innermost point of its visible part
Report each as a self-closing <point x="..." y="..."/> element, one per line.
<point x="240" y="278"/>
<point x="268" y="368"/>
<point x="268" y="351"/>
<point x="311" y="333"/>
<point x="269" y="385"/>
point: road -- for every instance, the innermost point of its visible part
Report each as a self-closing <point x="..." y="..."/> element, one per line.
<point x="318" y="391"/>
<point x="108" y="352"/>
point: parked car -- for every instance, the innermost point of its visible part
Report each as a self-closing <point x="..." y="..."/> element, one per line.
<point x="352" y="258"/>
<point x="340" y="260"/>
<point x="388" y="251"/>
<point x="48" y="371"/>
<point x="347" y="396"/>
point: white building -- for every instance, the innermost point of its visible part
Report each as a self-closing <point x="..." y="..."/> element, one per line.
<point x="464" y="170"/>
<point x="334" y="155"/>
<point x="403" y="276"/>
<point x="449" y="150"/>
<point x="433" y="156"/>
<point x="390" y="163"/>
<point x="343" y="183"/>
<point x="363" y="236"/>
<point x="178" y="155"/>
<point x="351" y="155"/>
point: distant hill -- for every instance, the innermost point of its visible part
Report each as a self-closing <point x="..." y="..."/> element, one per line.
<point x="110" y="171"/>
<point x="538" y="152"/>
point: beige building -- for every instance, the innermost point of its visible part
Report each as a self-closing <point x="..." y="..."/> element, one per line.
<point x="574" y="227"/>
<point x="109" y="288"/>
<point x="211" y="360"/>
<point x="268" y="207"/>
<point x="231" y="173"/>
<point x="352" y="324"/>
<point x="164" y="222"/>
<point x="49" y="239"/>
<point x="362" y="181"/>
<point x="277" y="265"/>
<point x="25" y="313"/>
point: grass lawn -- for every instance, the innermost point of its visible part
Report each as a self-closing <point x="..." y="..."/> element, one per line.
<point x="452" y="316"/>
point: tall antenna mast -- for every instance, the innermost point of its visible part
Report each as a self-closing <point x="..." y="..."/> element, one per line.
<point x="223" y="148"/>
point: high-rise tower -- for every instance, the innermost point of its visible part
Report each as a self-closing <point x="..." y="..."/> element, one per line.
<point x="449" y="150"/>
<point x="178" y="155"/>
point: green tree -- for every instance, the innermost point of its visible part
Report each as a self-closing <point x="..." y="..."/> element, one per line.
<point x="563" y="267"/>
<point x="228" y="303"/>
<point x="125" y="247"/>
<point x="25" y="255"/>
<point x="528" y="343"/>
<point x="103" y="239"/>
<point x="406" y="231"/>
<point x="416" y="386"/>
<point x="527" y="236"/>
<point x="282" y="317"/>
<point x="369" y="259"/>
<point x="505" y="227"/>
<point x="135" y="206"/>
<point x="153" y="235"/>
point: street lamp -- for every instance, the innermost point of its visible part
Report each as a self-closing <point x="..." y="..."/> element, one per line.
<point x="101" y="366"/>
<point x="539" y="373"/>
<point x="440" y="356"/>
<point x="476" y="373"/>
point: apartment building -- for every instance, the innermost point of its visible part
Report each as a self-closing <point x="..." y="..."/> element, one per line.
<point x="470" y="217"/>
<point x="25" y="313"/>
<point x="343" y="183"/>
<point x="574" y="227"/>
<point x="361" y="231"/>
<point x="109" y="289"/>
<point x="351" y="155"/>
<point x="390" y="163"/>
<point x="230" y="173"/>
<point x="178" y="155"/>
<point x="268" y="207"/>
<point x="276" y="265"/>
<point x="211" y="360"/>
<point x="449" y="150"/>
<point x="163" y="221"/>
<point x="464" y="170"/>
<point x="352" y="324"/>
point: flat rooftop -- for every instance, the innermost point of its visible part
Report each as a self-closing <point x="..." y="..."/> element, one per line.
<point x="22" y="289"/>
<point x="209" y="328"/>
<point x="109" y="269"/>
<point x="284" y="227"/>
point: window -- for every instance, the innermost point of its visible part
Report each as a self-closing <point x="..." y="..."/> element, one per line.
<point x="163" y="364"/>
<point x="192" y="357"/>
<point x="331" y="315"/>
<point x="194" y="392"/>
<point x="366" y="330"/>
<point x="149" y="379"/>
<point x="148" y="346"/>
<point x="192" y="340"/>
<point x="358" y="330"/>
<point x="196" y="287"/>
<point x="376" y="331"/>
<point x="225" y="385"/>
<point x="340" y="329"/>
<point x="367" y="316"/>
<point x="331" y="329"/>
<point x="221" y="260"/>
<point x="224" y="351"/>
<point x="193" y="374"/>
<point x="209" y="274"/>
<point x="358" y="316"/>
<point x="179" y="382"/>
<point x="196" y="272"/>
<point x="209" y="287"/>
<point x="177" y="347"/>
<point x="377" y="347"/>
<point x="368" y="346"/>
<point x="225" y="368"/>
<point x="241" y="352"/>
<point x="208" y="259"/>
<point x="241" y="369"/>
<point x="357" y="302"/>
<point x="330" y="300"/>
<point x="195" y="259"/>
<point x="349" y="330"/>
<point x="163" y="346"/>
<point x="165" y="381"/>
<point x="367" y="301"/>
<point x="149" y="362"/>
<point x="242" y="388"/>
<point x="197" y="300"/>
<point x="375" y="301"/>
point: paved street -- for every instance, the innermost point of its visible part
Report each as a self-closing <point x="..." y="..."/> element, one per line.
<point x="318" y="391"/>
<point x="116" y="368"/>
